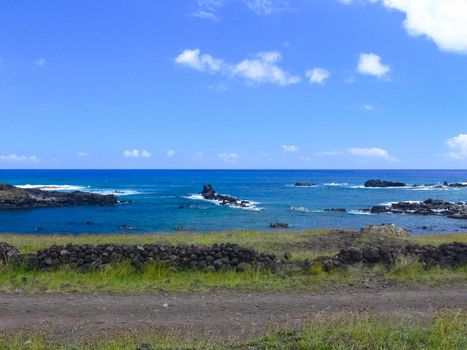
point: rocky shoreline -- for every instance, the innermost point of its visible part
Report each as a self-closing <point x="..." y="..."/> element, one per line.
<point x="12" y="197"/>
<point x="428" y="207"/>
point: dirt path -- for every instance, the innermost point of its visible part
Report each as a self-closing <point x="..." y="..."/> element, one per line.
<point x="217" y="314"/>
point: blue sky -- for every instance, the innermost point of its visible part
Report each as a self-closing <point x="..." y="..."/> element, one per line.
<point x="233" y="84"/>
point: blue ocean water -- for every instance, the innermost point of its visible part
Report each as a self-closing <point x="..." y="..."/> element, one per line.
<point x="162" y="200"/>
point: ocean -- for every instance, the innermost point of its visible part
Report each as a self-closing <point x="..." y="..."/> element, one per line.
<point x="167" y="200"/>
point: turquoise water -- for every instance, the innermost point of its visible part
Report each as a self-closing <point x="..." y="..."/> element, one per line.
<point x="162" y="200"/>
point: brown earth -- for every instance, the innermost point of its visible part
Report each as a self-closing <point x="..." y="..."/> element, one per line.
<point x="217" y="314"/>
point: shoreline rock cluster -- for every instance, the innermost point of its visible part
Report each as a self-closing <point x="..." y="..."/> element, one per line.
<point x="383" y="183"/>
<point x="12" y="197"/>
<point x="377" y="183"/>
<point x="209" y="193"/>
<point x="225" y="256"/>
<point x="428" y="207"/>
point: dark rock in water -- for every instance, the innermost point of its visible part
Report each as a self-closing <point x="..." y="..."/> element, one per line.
<point x="428" y="207"/>
<point x="278" y="224"/>
<point x="89" y="223"/>
<point x="382" y="183"/>
<point x="336" y="210"/>
<point x="455" y="185"/>
<point x="12" y="197"/>
<point x="210" y="194"/>
<point x="304" y="184"/>
<point x="462" y="216"/>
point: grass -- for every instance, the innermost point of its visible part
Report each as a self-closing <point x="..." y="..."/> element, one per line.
<point x="122" y="277"/>
<point x="446" y="330"/>
<point x="261" y="241"/>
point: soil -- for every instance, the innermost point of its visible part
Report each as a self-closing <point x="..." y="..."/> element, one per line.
<point x="216" y="314"/>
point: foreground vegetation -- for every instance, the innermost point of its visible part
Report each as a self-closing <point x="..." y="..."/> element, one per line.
<point x="445" y="330"/>
<point x="122" y="277"/>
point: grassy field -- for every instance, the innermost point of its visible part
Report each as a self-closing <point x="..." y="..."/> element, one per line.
<point x="268" y="242"/>
<point x="446" y="330"/>
<point x="156" y="277"/>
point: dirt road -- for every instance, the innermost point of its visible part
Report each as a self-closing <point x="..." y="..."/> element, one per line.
<point x="217" y="314"/>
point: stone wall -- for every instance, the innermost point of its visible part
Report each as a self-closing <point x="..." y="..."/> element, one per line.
<point x="446" y="255"/>
<point x="217" y="257"/>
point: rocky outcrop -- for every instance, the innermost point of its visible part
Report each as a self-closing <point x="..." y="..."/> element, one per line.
<point x="382" y="183"/>
<point x="388" y="230"/>
<point x="209" y="193"/>
<point x="335" y="210"/>
<point x="429" y="207"/>
<point x="455" y="185"/>
<point x="12" y="197"/>
<point x="225" y="256"/>
<point x="305" y="184"/>
<point x="278" y="224"/>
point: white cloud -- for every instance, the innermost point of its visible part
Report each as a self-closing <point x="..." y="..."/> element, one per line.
<point x="459" y="146"/>
<point x="367" y="107"/>
<point x="264" y="69"/>
<point x="370" y="64"/>
<point x="170" y="153"/>
<point x="193" y="59"/>
<point x="290" y="148"/>
<point x="207" y="9"/>
<point x="18" y="158"/>
<point x="443" y="21"/>
<point x="317" y="75"/>
<point x="136" y="153"/>
<point x="265" y="7"/>
<point x="82" y="154"/>
<point x="373" y="152"/>
<point x="40" y="62"/>
<point x="229" y="157"/>
<point x="261" y="68"/>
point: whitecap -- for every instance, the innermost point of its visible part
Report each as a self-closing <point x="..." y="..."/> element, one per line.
<point x="116" y="192"/>
<point x="249" y="205"/>
<point x="337" y="184"/>
<point x="54" y="187"/>
<point x="360" y="212"/>
<point x="388" y="204"/>
<point x="300" y="209"/>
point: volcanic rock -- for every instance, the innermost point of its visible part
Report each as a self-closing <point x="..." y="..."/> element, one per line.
<point x="12" y="197"/>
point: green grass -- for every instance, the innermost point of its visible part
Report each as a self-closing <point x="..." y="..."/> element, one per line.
<point x="262" y="241"/>
<point x="445" y="330"/>
<point x="122" y="277"/>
